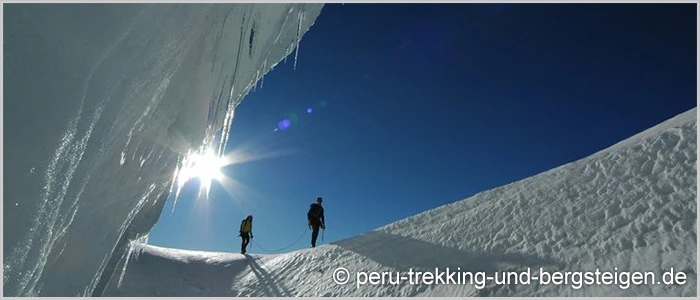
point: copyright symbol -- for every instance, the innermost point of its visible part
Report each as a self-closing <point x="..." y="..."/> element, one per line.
<point x="341" y="276"/>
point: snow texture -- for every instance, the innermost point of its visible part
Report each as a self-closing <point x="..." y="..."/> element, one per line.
<point x="631" y="206"/>
<point x="102" y="102"/>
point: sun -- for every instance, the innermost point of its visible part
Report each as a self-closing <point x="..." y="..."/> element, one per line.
<point x="205" y="166"/>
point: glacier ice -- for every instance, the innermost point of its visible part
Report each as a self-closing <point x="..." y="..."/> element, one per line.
<point x="101" y="102"/>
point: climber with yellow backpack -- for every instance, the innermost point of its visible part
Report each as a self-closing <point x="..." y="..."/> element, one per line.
<point x="246" y="232"/>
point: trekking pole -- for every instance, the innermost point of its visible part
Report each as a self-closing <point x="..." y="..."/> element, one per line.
<point x="323" y="233"/>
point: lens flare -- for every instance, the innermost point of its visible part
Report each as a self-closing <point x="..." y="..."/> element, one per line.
<point x="293" y="117"/>
<point x="284" y="124"/>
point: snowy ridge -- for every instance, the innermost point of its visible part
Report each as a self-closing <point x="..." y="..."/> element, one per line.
<point x="631" y="206"/>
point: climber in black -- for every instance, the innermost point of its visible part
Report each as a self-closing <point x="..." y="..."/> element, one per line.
<point x="316" y="219"/>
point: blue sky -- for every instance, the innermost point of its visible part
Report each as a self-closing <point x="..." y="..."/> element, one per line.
<point x="419" y="105"/>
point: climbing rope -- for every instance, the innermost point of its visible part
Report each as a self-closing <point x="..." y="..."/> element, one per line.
<point x="275" y="251"/>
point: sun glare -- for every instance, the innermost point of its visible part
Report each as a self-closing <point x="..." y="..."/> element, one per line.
<point x="204" y="166"/>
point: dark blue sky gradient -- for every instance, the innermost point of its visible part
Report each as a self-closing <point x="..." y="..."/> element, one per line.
<point x="427" y="104"/>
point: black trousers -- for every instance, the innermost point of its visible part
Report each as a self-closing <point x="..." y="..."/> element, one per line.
<point x="314" y="234"/>
<point x="245" y="239"/>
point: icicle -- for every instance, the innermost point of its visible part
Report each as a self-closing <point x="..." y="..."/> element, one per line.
<point x="177" y="196"/>
<point x="178" y="183"/>
<point x="126" y="263"/>
<point x="135" y="248"/>
<point x="172" y="184"/>
<point x="257" y="74"/>
<point x="262" y="80"/>
<point x="296" y="54"/>
<point x="140" y="245"/>
<point x="257" y="79"/>
<point x="227" y="125"/>
<point x="227" y="122"/>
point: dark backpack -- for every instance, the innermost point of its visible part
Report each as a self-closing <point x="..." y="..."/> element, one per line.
<point x="314" y="212"/>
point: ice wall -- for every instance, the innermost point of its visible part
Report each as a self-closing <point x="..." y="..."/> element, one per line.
<point x="101" y="102"/>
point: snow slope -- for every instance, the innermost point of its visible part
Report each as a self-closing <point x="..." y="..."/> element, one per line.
<point x="631" y="207"/>
<point x="101" y="104"/>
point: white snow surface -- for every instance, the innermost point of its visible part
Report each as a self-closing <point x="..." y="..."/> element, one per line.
<point x="101" y="103"/>
<point x="631" y="206"/>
